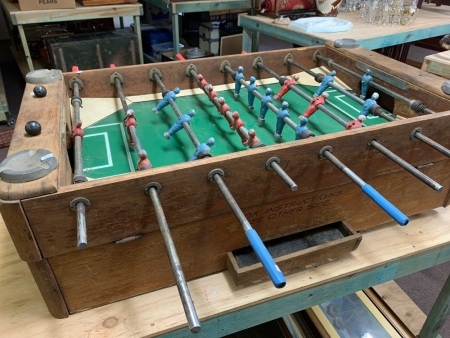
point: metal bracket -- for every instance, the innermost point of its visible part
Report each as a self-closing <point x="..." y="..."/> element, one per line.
<point x="75" y="201"/>
<point x="214" y="172"/>
<point x="154" y="185"/>
<point x="153" y="72"/>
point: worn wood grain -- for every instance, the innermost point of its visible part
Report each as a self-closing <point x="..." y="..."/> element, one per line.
<point x="389" y="251"/>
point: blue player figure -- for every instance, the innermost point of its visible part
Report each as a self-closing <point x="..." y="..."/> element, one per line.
<point x="282" y="113"/>
<point x="165" y="100"/>
<point x="203" y="150"/>
<point x="302" y="131"/>
<point x="264" y="108"/>
<point x="237" y="81"/>
<point x="325" y="82"/>
<point x="251" y="96"/>
<point x="178" y="125"/>
<point x="369" y="103"/>
<point x="365" y="81"/>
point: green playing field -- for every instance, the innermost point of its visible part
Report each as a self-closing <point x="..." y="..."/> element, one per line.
<point x="105" y="145"/>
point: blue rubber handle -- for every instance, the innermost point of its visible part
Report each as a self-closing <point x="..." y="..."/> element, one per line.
<point x="266" y="259"/>
<point x="384" y="204"/>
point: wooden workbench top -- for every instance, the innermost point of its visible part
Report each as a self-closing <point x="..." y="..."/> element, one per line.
<point x="431" y="21"/>
<point x="388" y="247"/>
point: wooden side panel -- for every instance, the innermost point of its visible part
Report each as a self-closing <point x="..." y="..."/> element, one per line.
<point x="20" y="231"/>
<point x="49" y="288"/>
<point x="50" y="111"/>
<point x="137" y="82"/>
<point x="119" y="207"/>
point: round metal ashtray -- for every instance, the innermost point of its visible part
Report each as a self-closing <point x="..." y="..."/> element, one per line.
<point x="195" y="53"/>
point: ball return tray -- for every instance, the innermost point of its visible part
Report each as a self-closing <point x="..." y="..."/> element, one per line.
<point x="294" y="252"/>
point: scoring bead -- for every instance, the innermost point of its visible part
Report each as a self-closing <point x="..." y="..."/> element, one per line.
<point x="40" y="91"/>
<point x="33" y="128"/>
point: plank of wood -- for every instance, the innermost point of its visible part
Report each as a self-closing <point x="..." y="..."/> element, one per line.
<point x="403" y="307"/>
<point x="438" y="64"/>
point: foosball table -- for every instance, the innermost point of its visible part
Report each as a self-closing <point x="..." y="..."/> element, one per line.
<point x="228" y="163"/>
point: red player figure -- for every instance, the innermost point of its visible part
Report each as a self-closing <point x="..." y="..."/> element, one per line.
<point x="77" y="131"/>
<point x="212" y="94"/>
<point x="314" y="105"/>
<point x="353" y="124"/>
<point x="130" y="121"/>
<point x="223" y="109"/>
<point x="286" y="86"/>
<point x="223" y="106"/>
<point x="202" y="83"/>
<point x="238" y="123"/>
<point x="143" y="163"/>
<point x="253" y="140"/>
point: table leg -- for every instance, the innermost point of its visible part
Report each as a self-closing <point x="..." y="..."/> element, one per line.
<point x="26" y="50"/>
<point x="438" y="314"/>
<point x="250" y="40"/>
<point x="175" y="32"/>
<point x="137" y="27"/>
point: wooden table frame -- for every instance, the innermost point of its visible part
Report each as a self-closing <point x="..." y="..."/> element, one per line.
<point x="386" y="252"/>
<point x="176" y="7"/>
<point x="431" y="21"/>
<point x="21" y="18"/>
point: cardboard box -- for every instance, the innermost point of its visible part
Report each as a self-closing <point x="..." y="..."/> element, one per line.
<point x="105" y="2"/>
<point x="30" y="5"/>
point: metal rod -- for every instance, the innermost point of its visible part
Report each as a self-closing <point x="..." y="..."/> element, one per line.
<point x="380" y="112"/>
<point x="417" y="133"/>
<point x="81" y="226"/>
<point x="405" y="165"/>
<point x="177" y="111"/>
<point x="80" y="205"/>
<point x="273" y="163"/>
<point x="373" y="194"/>
<point x="415" y="105"/>
<point x="257" y="244"/>
<point x="305" y="96"/>
<point x="118" y="85"/>
<point x="78" y="174"/>
<point x="270" y="105"/>
<point x="116" y="79"/>
<point x="183" y="289"/>
<point x="186" y="126"/>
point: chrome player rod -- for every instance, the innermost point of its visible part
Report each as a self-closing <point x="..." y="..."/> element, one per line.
<point x="152" y="190"/>
<point x="373" y="194"/>
<point x="405" y="165"/>
<point x="272" y="269"/>
<point x="117" y="81"/>
<point x="273" y="163"/>
<point x="157" y="78"/>
<point x="304" y="95"/>
<point x="228" y="114"/>
<point x="319" y="77"/>
<point x="80" y="205"/>
<point x="415" y="105"/>
<point x="417" y="133"/>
